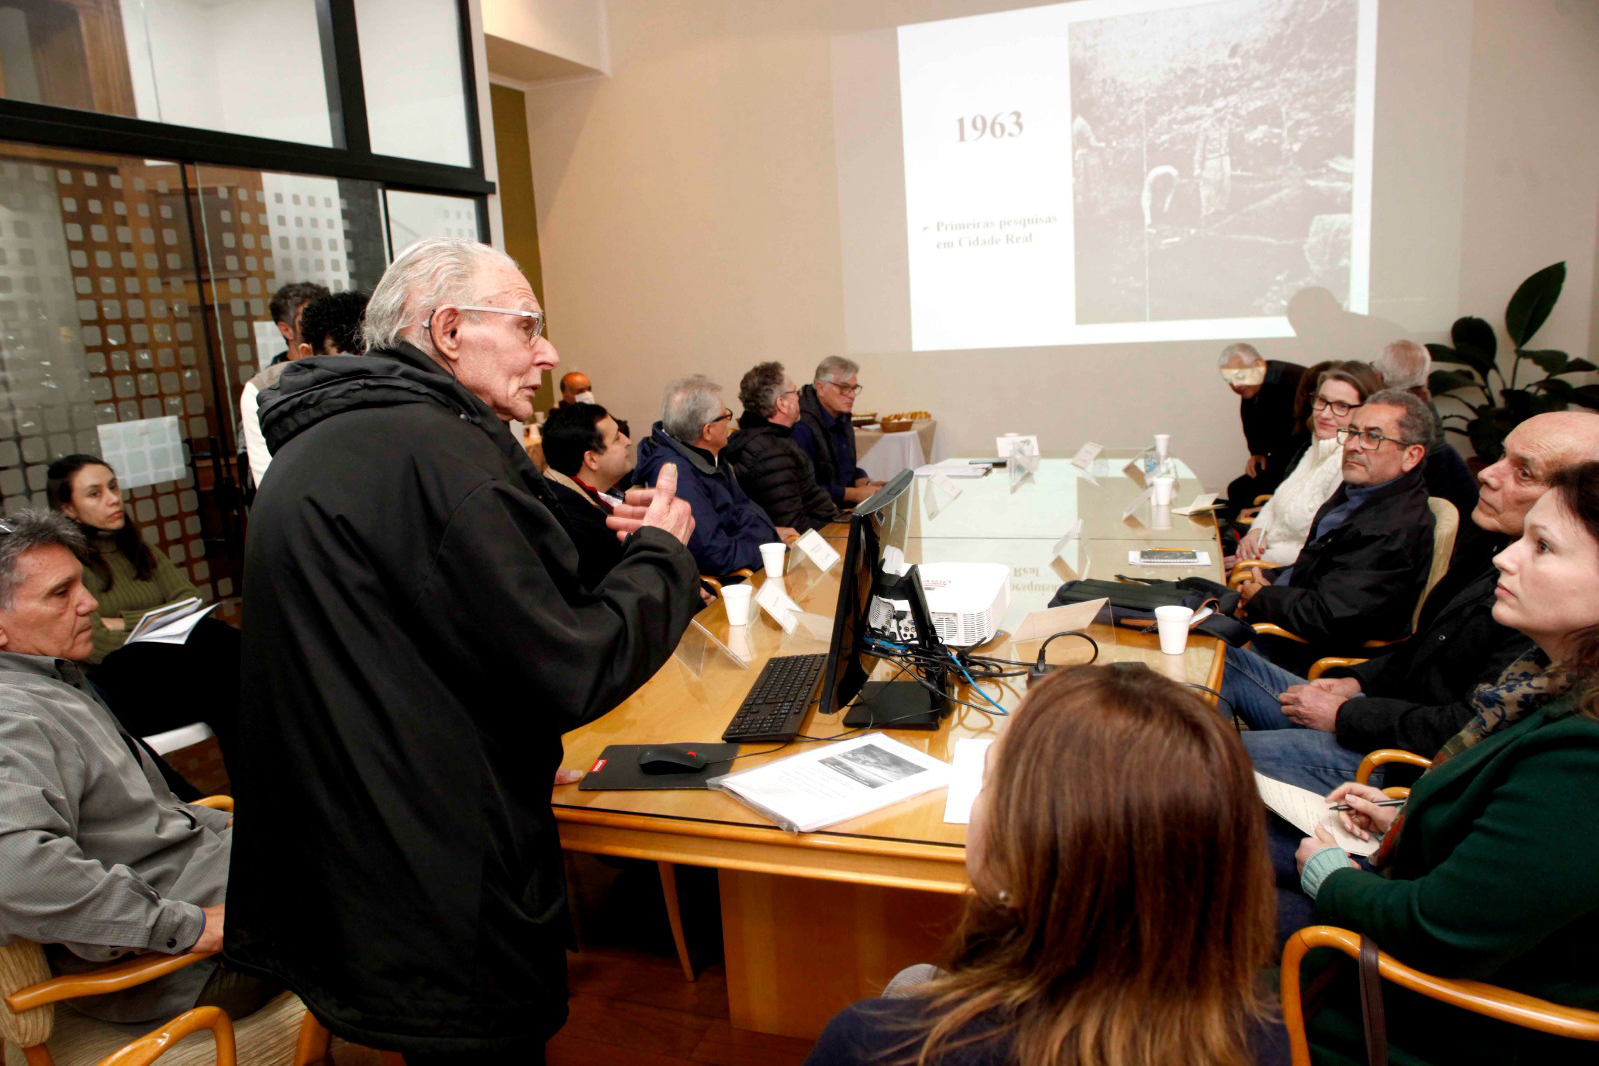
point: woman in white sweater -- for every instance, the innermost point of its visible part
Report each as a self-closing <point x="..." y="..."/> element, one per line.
<point x="1283" y="524"/>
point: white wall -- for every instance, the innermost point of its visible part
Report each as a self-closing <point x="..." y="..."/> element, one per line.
<point x="573" y="30"/>
<point x="688" y="216"/>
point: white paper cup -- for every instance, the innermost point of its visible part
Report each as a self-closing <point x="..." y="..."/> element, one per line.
<point x="1160" y="517"/>
<point x="738" y="601"/>
<point x="1172" y="622"/>
<point x="772" y="558"/>
<point x="1162" y="487"/>
<point x="1162" y="444"/>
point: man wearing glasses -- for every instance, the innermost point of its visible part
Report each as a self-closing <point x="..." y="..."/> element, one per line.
<point x="729" y="527"/>
<point x="416" y="639"/>
<point x="1370" y="548"/>
<point x="826" y="435"/>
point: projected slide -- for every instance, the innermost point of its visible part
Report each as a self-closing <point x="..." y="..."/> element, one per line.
<point x="1118" y="171"/>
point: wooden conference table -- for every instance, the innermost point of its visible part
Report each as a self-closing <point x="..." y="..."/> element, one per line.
<point x="812" y="922"/>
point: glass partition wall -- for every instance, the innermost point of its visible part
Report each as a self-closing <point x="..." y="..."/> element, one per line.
<point x="147" y="216"/>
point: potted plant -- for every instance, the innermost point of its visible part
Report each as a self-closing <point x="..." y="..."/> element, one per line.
<point x="1514" y="401"/>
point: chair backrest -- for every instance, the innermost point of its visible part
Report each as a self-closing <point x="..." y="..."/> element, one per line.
<point x="1502" y="1004"/>
<point x="23" y="964"/>
<point x="1446" y="523"/>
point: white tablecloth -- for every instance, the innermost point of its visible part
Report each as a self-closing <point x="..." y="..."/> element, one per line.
<point x="882" y="455"/>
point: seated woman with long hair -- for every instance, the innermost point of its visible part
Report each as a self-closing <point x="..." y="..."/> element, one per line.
<point x="1283" y="524"/>
<point x="150" y="687"/>
<point x="1121" y="904"/>
<point x="1490" y="871"/>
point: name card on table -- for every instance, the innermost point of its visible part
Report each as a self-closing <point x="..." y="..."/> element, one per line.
<point x="775" y="601"/>
<point x="941" y="492"/>
<point x="817" y="550"/>
<point x="1084" y="460"/>
<point x="1071" y="534"/>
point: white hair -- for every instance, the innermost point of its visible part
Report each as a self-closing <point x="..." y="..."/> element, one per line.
<point x="434" y="271"/>
<point x="690" y="403"/>
<point x="1241" y="354"/>
<point x="836" y="368"/>
<point x="1404" y="365"/>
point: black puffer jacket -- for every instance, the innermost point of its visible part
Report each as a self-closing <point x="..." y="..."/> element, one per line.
<point x="777" y="475"/>
<point x="416" y="640"/>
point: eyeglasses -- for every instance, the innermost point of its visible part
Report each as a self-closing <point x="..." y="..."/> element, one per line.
<point x="727" y="416"/>
<point x="537" y="318"/>
<point x="847" y="390"/>
<point x="1370" y="439"/>
<point x="1338" y="407"/>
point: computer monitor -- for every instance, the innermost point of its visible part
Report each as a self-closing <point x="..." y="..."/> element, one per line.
<point x="878" y="529"/>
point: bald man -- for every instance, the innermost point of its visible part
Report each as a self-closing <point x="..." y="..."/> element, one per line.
<point x="1418" y="696"/>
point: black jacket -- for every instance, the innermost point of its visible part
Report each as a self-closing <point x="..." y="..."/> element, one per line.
<point x="828" y="441"/>
<point x="416" y="641"/>
<point x="729" y="528"/>
<point x="1270" y="428"/>
<point x="777" y="475"/>
<point x="1361" y="580"/>
<point x="1418" y="696"/>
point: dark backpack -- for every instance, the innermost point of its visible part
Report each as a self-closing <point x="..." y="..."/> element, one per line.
<point x="1133" y="602"/>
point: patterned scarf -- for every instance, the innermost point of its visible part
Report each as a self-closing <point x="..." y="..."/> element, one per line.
<point x="1525" y="686"/>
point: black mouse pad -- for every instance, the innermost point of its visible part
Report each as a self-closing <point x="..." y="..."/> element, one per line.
<point x="617" y="769"/>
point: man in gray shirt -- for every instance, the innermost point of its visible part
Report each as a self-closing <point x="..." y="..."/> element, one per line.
<point x="98" y="858"/>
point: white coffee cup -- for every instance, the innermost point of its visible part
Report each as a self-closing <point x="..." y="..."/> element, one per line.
<point x="1172" y="622"/>
<point x="738" y="601"/>
<point x="772" y="558"/>
<point x="1162" y="444"/>
<point x="1162" y="491"/>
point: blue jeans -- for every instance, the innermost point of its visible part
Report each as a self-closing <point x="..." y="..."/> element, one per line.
<point x="1251" y="685"/>
<point x="1308" y="758"/>
<point x="1281" y="749"/>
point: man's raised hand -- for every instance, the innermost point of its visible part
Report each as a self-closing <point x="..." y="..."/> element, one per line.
<point x="657" y="507"/>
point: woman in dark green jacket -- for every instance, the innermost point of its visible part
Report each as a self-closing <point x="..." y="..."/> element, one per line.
<point x="1490" y="871"/>
<point x="150" y="687"/>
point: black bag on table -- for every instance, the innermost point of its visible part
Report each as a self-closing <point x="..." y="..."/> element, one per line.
<point x="1133" y="602"/>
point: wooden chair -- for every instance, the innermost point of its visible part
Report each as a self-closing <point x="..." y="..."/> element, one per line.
<point x="152" y="1046"/>
<point x="716" y="582"/>
<point x="1476" y="996"/>
<point x="1247" y="516"/>
<point x="1388" y="755"/>
<point x="36" y="1035"/>
<point x="1446" y="523"/>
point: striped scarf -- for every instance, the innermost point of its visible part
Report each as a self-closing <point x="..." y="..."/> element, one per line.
<point x="1525" y="686"/>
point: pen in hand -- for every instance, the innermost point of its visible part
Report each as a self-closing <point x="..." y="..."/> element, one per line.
<point x="1374" y="803"/>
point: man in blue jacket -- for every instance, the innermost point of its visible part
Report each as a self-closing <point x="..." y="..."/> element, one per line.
<point x="729" y="527"/>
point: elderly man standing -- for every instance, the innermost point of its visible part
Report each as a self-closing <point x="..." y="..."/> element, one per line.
<point x="417" y="639"/>
<point x="825" y="433"/>
<point x="729" y="527"/>
<point x="99" y="859"/>
<point x="1265" y="389"/>
<point x="1370" y="547"/>
<point x="770" y="466"/>
<point x="1314" y="733"/>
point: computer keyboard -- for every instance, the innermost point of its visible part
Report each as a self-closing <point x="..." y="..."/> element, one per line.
<point x="777" y="700"/>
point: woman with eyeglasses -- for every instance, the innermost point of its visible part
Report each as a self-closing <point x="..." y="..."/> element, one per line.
<point x="1488" y="871"/>
<point x="1121" y="904"/>
<point x="1283" y="524"/>
<point x="150" y="687"/>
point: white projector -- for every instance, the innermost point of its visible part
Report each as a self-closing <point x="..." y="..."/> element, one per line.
<point x="966" y="600"/>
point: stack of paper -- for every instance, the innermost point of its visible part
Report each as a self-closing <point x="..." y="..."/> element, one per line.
<point x="171" y="624"/>
<point x="1305" y="810"/>
<point x="836" y="782"/>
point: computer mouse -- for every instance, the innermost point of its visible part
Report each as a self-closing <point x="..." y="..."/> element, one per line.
<point x="671" y="759"/>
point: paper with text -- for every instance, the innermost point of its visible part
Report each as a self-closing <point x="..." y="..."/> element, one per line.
<point x="1305" y="810"/>
<point x="817" y="550"/>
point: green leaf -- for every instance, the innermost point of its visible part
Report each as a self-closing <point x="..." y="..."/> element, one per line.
<point x="1533" y="301"/>
<point x="1586" y="395"/>
<point x="1472" y="357"/>
<point x="1553" y="362"/>
<point x="1475" y="334"/>
<point x="1579" y="366"/>
<point x="1440" y="382"/>
<point x="1518" y="404"/>
<point x="1487" y="439"/>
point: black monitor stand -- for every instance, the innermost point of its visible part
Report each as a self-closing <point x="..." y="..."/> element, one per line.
<point x="905" y="704"/>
